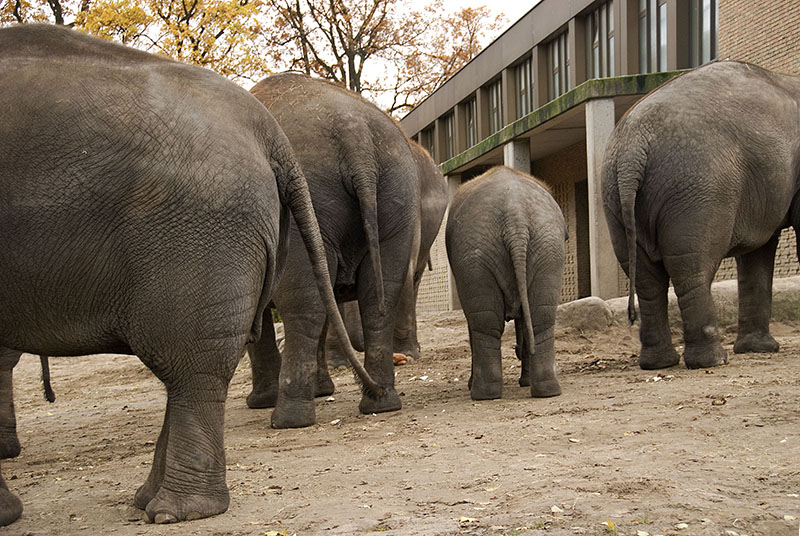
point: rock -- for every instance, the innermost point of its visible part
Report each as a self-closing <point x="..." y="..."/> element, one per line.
<point x="586" y="314"/>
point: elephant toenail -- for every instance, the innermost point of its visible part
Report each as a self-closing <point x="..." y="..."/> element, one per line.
<point x="164" y="518"/>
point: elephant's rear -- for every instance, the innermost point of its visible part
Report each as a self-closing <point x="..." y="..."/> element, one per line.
<point x="125" y="226"/>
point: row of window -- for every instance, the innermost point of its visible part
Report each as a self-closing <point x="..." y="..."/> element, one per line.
<point x="600" y="52"/>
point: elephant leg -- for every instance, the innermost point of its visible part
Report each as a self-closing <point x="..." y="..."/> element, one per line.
<point x="485" y="330"/>
<point x="352" y="321"/>
<point x="265" y="362"/>
<point x="702" y="346"/>
<point x="405" y="330"/>
<point x="378" y="332"/>
<point x="652" y="284"/>
<point x="148" y="490"/>
<point x="9" y="442"/>
<point x="294" y="407"/>
<point x="190" y="454"/>
<point x="324" y="384"/>
<point x="755" y="271"/>
<point x="523" y="356"/>
<point x="543" y="297"/>
<point x="10" y="505"/>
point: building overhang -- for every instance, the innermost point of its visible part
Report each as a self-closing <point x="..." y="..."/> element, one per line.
<point x="559" y="123"/>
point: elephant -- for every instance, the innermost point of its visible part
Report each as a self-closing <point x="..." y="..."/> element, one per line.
<point x="434" y="197"/>
<point x="705" y="167"/>
<point x="505" y="240"/>
<point x="361" y="175"/>
<point x="144" y="208"/>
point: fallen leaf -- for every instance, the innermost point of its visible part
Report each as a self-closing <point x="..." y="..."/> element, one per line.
<point x="573" y="440"/>
<point x="719" y="401"/>
<point x="556" y="509"/>
<point x="681" y="526"/>
<point x="642" y="533"/>
<point x="789" y="518"/>
<point x="336" y="421"/>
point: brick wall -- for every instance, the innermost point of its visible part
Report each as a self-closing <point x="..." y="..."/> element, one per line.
<point x="764" y="32"/>
<point x="767" y="33"/>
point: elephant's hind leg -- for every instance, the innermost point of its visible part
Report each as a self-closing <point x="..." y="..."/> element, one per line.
<point x="755" y="271"/>
<point x="652" y="283"/>
<point x="9" y="441"/>
<point x="485" y="330"/>
<point x="190" y="455"/>
<point x="702" y="346"/>
<point x="265" y="364"/>
<point x="10" y="505"/>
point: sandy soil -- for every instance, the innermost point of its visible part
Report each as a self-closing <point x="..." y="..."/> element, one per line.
<point x="622" y="451"/>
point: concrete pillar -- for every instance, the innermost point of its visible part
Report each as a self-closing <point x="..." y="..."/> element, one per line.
<point x="626" y="33"/>
<point x="509" y="84"/>
<point x="453" y="182"/>
<point x="540" y="75"/>
<point x="677" y="35"/>
<point x="602" y="261"/>
<point x="577" y="49"/>
<point x="517" y="155"/>
<point x="460" y="127"/>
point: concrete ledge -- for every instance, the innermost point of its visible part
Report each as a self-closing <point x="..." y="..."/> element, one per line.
<point x="592" y="313"/>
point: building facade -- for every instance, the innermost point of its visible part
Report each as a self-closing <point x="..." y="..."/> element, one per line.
<point x="544" y="97"/>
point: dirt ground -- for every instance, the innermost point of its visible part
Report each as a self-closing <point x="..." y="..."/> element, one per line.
<point x="621" y="451"/>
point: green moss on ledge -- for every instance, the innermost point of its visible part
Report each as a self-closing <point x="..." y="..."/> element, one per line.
<point x="597" y="88"/>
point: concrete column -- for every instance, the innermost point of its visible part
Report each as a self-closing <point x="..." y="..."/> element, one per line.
<point x="453" y="182"/>
<point x="517" y="155"/>
<point x="540" y="75"/>
<point x="577" y="48"/>
<point x="602" y="261"/>
<point x="509" y="84"/>
<point x="482" y="109"/>
<point x="626" y="33"/>
<point x="677" y="35"/>
<point x="460" y="127"/>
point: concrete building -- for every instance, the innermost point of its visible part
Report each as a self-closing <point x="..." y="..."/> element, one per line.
<point x="545" y="95"/>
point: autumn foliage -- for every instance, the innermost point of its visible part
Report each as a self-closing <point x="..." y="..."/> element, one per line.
<point x="385" y="49"/>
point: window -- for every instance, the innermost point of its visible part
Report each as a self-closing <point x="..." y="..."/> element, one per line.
<point x="652" y="35"/>
<point x="524" y="82"/>
<point x="427" y="141"/>
<point x="496" y="106"/>
<point x="702" y="31"/>
<point x="600" y="41"/>
<point x="557" y="67"/>
<point x="449" y="136"/>
<point x="470" y="121"/>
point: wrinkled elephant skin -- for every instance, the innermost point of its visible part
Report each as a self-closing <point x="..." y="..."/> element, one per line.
<point x="705" y="167"/>
<point x="505" y="241"/>
<point x="361" y="176"/>
<point x="143" y="204"/>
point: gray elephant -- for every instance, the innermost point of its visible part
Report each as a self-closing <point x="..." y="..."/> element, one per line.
<point x="361" y="175"/>
<point x="505" y="241"/>
<point x="704" y="167"/>
<point x="433" y="195"/>
<point x="143" y="205"/>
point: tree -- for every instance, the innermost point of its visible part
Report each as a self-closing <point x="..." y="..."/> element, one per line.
<point x="411" y="53"/>
<point x="28" y="11"/>
<point x="451" y="42"/>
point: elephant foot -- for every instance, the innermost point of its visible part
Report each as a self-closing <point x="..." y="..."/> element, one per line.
<point x="336" y="358"/>
<point x="545" y="388"/>
<point x="324" y="385"/>
<point x="10" y="507"/>
<point x="172" y="507"/>
<point x="704" y="355"/>
<point x="390" y="401"/>
<point x="9" y="446"/>
<point x="486" y="391"/>
<point x="762" y="343"/>
<point x="524" y="380"/>
<point x="144" y="495"/>
<point x="652" y="358"/>
<point x="263" y="398"/>
<point x="294" y="414"/>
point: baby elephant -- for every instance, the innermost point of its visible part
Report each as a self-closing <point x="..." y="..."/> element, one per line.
<point x="505" y="241"/>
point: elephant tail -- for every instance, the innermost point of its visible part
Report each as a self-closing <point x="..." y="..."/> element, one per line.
<point x="293" y="190"/>
<point x="360" y="172"/>
<point x="630" y="174"/>
<point x="516" y="238"/>
<point x="49" y="395"/>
